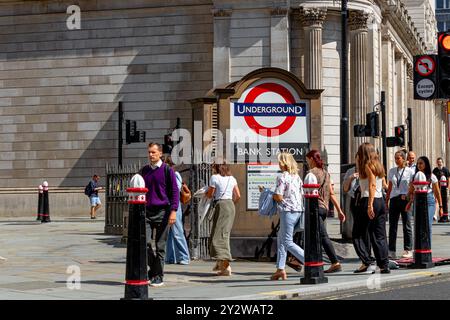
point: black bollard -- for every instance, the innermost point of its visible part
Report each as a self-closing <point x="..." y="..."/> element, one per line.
<point x="46" y="204"/>
<point x="443" y="184"/>
<point x="313" y="244"/>
<point x="422" y="248"/>
<point x="136" y="278"/>
<point x="40" y="209"/>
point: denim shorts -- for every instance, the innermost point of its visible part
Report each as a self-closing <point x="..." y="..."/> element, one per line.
<point x="95" y="200"/>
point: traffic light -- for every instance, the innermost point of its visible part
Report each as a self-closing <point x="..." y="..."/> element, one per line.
<point x="168" y="143"/>
<point x="372" y="127"/>
<point x="130" y="131"/>
<point x="398" y="139"/>
<point x="425" y="77"/>
<point x="443" y="65"/>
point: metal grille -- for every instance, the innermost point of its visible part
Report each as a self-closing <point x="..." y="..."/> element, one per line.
<point x="199" y="238"/>
<point x="117" y="181"/>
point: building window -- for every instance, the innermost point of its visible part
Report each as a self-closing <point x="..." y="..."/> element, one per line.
<point x="441" y="26"/>
<point x="442" y="4"/>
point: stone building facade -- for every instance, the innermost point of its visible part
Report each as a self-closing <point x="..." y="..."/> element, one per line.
<point x="59" y="88"/>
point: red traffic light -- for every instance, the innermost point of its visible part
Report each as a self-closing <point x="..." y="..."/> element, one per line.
<point x="444" y="41"/>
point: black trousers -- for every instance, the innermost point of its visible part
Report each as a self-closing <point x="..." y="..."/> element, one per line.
<point x="396" y="208"/>
<point x="376" y="230"/>
<point x="156" y="219"/>
<point x="326" y="242"/>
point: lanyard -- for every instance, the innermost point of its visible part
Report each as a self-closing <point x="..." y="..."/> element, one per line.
<point x="400" y="179"/>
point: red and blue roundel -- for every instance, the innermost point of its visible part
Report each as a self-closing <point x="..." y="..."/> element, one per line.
<point x="270" y="108"/>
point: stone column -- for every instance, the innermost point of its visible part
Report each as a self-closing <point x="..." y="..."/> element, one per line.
<point x="221" y="51"/>
<point x="358" y="72"/>
<point x="279" y="38"/>
<point x="312" y="20"/>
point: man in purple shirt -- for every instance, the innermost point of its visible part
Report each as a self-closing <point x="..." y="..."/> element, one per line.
<point x="161" y="212"/>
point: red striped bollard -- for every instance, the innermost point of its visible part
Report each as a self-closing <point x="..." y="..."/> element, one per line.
<point x="45" y="204"/>
<point x="313" y="245"/>
<point x="422" y="248"/>
<point x="443" y="185"/>
<point x="40" y="209"/>
<point x="136" y="278"/>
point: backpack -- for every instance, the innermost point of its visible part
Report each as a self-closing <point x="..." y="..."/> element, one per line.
<point x="88" y="189"/>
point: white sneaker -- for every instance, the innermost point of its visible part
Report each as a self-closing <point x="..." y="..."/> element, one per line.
<point x="392" y="255"/>
<point x="407" y="254"/>
<point x="2" y="258"/>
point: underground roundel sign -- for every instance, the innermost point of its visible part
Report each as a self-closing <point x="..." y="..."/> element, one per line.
<point x="269" y="110"/>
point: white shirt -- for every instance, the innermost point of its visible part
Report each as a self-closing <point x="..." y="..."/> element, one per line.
<point x="434" y="179"/>
<point x="413" y="167"/>
<point x="157" y="165"/>
<point x="400" y="179"/>
<point x="364" y="183"/>
<point x="290" y="187"/>
<point x="224" y="186"/>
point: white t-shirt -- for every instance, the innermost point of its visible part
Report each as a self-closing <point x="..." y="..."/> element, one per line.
<point x="290" y="187"/>
<point x="224" y="186"/>
<point x="400" y="187"/>
<point x="434" y="179"/>
<point x="364" y="183"/>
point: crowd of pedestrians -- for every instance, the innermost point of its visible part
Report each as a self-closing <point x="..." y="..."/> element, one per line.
<point x="373" y="202"/>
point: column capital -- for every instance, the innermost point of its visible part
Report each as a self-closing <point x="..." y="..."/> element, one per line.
<point x="222" y="12"/>
<point x="313" y="17"/>
<point x="279" y="11"/>
<point x="358" y="20"/>
<point x="409" y="70"/>
<point x="387" y="37"/>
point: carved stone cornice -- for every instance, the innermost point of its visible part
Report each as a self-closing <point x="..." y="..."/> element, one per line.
<point x="358" y="20"/>
<point x="278" y="11"/>
<point x="313" y="17"/>
<point x="395" y="12"/>
<point x="225" y="13"/>
<point x="409" y="70"/>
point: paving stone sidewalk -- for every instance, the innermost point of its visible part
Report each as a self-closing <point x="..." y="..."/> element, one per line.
<point x="43" y="258"/>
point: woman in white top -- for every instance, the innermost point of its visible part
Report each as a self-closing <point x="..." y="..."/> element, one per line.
<point x="434" y="192"/>
<point x="371" y="216"/>
<point x="223" y="187"/>
<point x="397" y="199"/>
<point x="288" y="195"/>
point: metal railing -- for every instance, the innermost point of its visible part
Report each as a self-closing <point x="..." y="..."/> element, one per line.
<point x="117" y="181"/>
<point x="199" y="236"/>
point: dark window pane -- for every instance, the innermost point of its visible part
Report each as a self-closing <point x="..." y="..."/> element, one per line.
<point x="439" y="4"/>
<point x="441" y="26"/>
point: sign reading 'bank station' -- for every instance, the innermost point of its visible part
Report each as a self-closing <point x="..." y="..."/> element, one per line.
<point x="269" y="117"/>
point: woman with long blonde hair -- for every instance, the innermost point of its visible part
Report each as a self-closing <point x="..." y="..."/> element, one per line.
<point x="289" y="197"/>
<point x="371" y="217"/>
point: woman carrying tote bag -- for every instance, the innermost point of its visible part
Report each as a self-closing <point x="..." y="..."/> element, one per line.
<point x="223" y="187"/>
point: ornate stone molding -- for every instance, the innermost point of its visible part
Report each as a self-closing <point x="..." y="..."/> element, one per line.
<point x="222" y="13"/>
<point x="278" y="11"/>
<point x="313" y="16"/>
<point x="358" y="20"/>
<point x="409" y="70"/>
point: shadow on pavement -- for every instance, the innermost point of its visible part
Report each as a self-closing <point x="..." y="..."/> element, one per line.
<point x="108" y="262"/>
<point x="98" y="282"/>
<point x="116" y="242"/>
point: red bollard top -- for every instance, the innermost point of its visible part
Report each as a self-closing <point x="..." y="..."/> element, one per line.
<point x="311" y="186"/>
<point x="137" y="191"/>
<point x="420" y="183"/>
<point x="443" y="181"/>
<point x="41" y="188"/>
<point x="45" y="185"/>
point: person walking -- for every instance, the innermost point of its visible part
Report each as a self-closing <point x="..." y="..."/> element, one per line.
<point x="91" y="191"/>
<point x="371" y="217"/>
<point x="399" y="179"/>
<point x="163" y="199"/>
<point x="289" y="196"/>
<point x="177" y="251"/>
<point x="441" y="171"/>
<point x="412" y="161"/>
<point x="326" y="194"/>
<point x="223" y="188"/>
<point x="434" y="192"/>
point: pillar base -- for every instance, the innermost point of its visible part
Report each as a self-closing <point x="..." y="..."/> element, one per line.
<point x="136" y="293"/>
